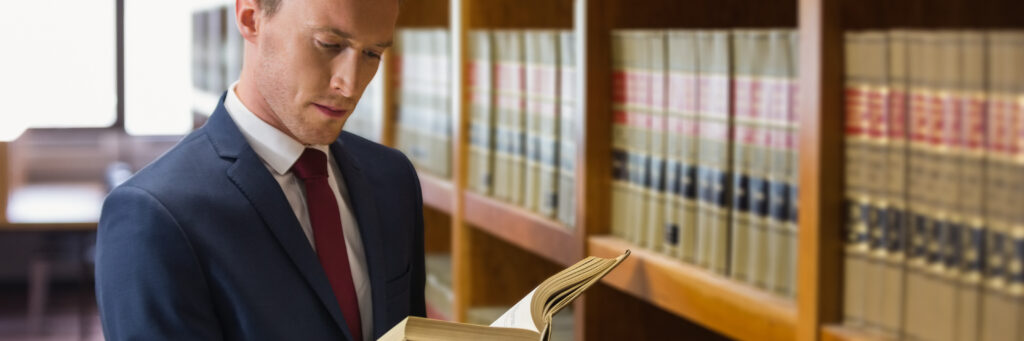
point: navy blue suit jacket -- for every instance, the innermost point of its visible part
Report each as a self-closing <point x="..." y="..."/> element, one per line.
<point x="203" y="245"/>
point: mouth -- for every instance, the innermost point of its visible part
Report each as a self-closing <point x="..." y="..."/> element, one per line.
<point x="331" y="111"/>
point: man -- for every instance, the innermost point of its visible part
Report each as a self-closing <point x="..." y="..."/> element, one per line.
<point x="264" y="224"/>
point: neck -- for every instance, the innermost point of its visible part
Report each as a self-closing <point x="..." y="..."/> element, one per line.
<point x="254" y="101"/>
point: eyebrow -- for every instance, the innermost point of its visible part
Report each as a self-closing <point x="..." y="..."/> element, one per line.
<point x="347" y="35"/>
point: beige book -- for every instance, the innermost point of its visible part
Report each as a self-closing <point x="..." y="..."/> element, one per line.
<point x="638" y="96"/>
<point x="714" y="115"/>
<point x="748" y="260"/>
<point x="550" y="125"/>
<point x="530" y="319"/>
<point x="542" y="89"/>
<point x="621" y="191"/>
<point x="517" y="120"/>
<point x="481" y="90"/>
<point x="1002" y="301"/>
<point x="856" y="246"/>
<point x="931" y="290"/>
<point x="534" y="53"/>
<point x="509" y="106"/>
<point x="968" y="236"/>
<point x="873" y="81"/>
<point x="681" y="145"/>
<point x="895" y="219"/>
<point x="793" y="176"/>
<point x="631" y="53"/>
<point x="441" y="104"/>
<point x="655" y="109"/>
<point x="779" y="80"/>
<point x="567" y="128"/>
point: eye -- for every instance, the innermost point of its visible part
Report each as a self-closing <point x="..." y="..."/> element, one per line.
<point x="372" y="54"/>
<point x="328" y="46"/>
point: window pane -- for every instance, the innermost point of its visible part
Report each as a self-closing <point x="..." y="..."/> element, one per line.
<point x="58" y="63"/>
<point x="157" y="52"/>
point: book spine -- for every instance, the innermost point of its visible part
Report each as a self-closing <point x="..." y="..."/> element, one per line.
<point x="517" y="119"/>
<point x="856" y="245"/>
<point x="680" y="229"/>
<point x="970" y="233"/>
<point x="533" y="98"/>
<point x="779" y="125"/>
<point x="547" y="196"/>
<point x="444" y="105"/>
<point x="655" y="109"/>
<point x="405" y="139"/>
<point x="567" y="129"/>
<point x="745" y="258"/>
<point x="894" y="238"/>
<point x="1001" y="294"/>
<point x="639" y="92"/>
<point x="621" y="192"/>
<point x="874" y="73"/>
<point x="507" y="104"/>
<point x="793" y="176"/>
<point x="715" y="119"/>
<point x="481" y="96"/>
<point x="931" y="296"/>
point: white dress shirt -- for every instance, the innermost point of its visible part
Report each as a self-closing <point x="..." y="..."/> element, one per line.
<point x="279" y="152"/>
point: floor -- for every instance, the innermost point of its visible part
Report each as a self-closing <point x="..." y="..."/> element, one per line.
<point x="70" y="315"/>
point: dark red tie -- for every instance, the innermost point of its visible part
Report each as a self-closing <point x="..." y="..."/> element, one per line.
<point x="311" y="168"/>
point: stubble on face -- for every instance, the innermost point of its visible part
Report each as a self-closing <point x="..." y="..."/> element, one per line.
<point x="292" y="75"/>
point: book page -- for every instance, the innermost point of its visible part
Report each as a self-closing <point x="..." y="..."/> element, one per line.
<point x="519" y="316"/>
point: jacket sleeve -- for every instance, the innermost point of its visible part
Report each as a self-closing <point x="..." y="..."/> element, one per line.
<point x="149" y="284"/>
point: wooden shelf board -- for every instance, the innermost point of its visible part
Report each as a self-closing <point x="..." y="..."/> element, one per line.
<point x="523" y="228"/>
<point x="437" y="193"/>
<point x="718" y="303"/>
<point x="47" y="227"/>
<point x="843" y="333"/>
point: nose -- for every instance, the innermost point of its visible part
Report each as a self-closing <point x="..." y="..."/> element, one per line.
<point x="345" y="73"/>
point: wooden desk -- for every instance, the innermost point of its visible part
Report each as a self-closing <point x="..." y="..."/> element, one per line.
<point x="54" y="207"/>
<point x="63" y="211"/>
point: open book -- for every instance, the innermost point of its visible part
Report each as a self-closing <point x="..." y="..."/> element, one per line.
<point x="530" y="319"/>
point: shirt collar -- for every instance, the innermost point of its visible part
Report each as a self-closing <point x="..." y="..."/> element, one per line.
<point x="277" y="149"/>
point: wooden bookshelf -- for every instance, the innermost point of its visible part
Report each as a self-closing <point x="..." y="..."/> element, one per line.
<point x="437" y="193"/>
<point x="520" y="227"/>
<point x="485" y="230"/>
<point x="843" y="333"/>
<point x="718" y="303"/>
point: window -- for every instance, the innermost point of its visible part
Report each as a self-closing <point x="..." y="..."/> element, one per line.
<point x="58" y="64"/>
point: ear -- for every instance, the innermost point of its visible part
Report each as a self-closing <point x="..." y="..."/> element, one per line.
<point x="248" y="18"/>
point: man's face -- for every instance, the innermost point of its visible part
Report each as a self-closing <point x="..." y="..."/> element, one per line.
<point x="315" y="58"/>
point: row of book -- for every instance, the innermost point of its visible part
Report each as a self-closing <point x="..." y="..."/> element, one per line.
<point x="704" y="158"/>
<point x="934" y="171"/>
<point x="522" y="119"/>
<point x="423" y="100"/>
<point x="216" y="49"/>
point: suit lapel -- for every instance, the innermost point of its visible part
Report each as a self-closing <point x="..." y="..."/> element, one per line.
<point x="362" y="200"/>
<point x="250" y="176"/>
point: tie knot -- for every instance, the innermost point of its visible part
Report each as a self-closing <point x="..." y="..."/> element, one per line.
<point x="311" y="164"/>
